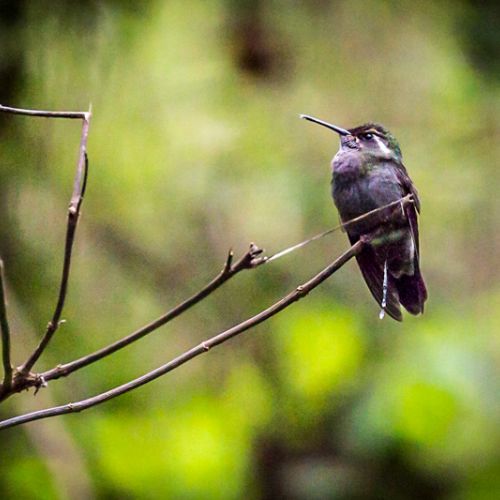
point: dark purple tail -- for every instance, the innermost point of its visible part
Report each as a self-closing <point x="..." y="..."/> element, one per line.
<point x="412" y="291"/>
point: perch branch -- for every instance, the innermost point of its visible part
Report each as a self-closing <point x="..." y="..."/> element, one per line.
<point x="4" y="326"/>
<point x="299" y="292"/>
<point x="249" y="260"/>
<point x="252" y="259"/>
<point x="22" y="381"/>
<point x="401" y="201"/>
<point x="73" y="215"/>
<point x="229" y="270"/>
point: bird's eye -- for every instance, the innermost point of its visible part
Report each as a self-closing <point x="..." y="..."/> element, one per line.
<point x="368" y="136"/>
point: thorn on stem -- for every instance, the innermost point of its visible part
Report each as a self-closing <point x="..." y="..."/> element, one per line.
<point x="229" y="260"/>
<point x="40" y="383"/>
<point x="254" y="250"/>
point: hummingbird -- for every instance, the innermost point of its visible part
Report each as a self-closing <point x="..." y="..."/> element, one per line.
<point x="367" y="174"/>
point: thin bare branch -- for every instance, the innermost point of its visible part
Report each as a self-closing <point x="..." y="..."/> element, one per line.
<point x="75" y="115"/>
<point x="299" y="292"/>
<point x="229" y="270"/>
<point x="401" y="201"/>
<point x="4" y="327"/>
<point x="73" y="215"/>
<point x="23" y="381"/>
<point x="249" y="260"/>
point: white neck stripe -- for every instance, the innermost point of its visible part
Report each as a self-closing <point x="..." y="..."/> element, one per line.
<point x="382" y="146"/>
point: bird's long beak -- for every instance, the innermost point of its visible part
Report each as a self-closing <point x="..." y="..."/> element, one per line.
<point x="339" y="130"/>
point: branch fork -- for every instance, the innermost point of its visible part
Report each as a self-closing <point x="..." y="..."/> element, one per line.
<point x="201" y="348"/>
<point x="22" y="378"/>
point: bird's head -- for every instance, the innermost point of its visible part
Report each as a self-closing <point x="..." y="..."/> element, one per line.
<point x="371" y="139"/>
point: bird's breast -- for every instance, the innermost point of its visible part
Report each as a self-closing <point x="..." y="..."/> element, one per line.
<point x="357" y="189"/>
<point x="349" y="185"/>
<point x="347" y="167"/>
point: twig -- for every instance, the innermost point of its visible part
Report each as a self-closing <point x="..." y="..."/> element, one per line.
<point x="295" y="295"/>
<point x="81" y="115"/>
<point x="73" y="215"/>
<point x="4" y="326"/>
<point x="229" y="270"/>
<point x="22" y="381"/>
<point x="402" y="201"/>
<point x="249" y="260"/>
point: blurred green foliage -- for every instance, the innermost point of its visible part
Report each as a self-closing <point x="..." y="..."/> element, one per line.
<point x="195" y="147"/>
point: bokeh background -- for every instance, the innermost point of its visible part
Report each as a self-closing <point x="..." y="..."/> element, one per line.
<point x="196" y="147"/>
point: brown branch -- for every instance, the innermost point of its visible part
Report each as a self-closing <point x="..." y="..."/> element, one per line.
<point x="5" y="331"/>
<point x="73" y="215"/>
<point x="248" y="261"/>
<point x="300" y="292"/>
<point x="252" y="258"/>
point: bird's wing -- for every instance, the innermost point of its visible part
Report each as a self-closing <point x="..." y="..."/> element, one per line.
<point x="411" y="289"/>
<point x="373" y="273"/>
<point x="407" y="184"/>
<point x="413" y="209"/>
